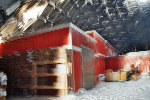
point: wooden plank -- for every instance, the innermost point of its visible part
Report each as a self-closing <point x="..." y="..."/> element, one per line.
<point x="44" y="75"/>
<point x="38" y="75"/>
<point x="49" y="62"/>
<point x="35" y="78"/>
<point x="49" y="87"/>
<point x="24" y="75"/>
<point x="21" y="86"/>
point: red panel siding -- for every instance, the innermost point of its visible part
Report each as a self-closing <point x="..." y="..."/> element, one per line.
<point x="101" y="45"/>
<point x="40" y="41"/>
<point x="77" y="70"/>
<point x="111" y="52"/>
<point x="91" y="34"/>
<point x="101" y="48"/>
<point x="101" y="65"/>
<point x="79" y="39"/>
<point x="97" y="68"/>
<point x="125" y="62"/>
<point x="114" y="63"/>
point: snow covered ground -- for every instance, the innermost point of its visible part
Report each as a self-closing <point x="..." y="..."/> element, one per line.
<point x="129" y="90"/>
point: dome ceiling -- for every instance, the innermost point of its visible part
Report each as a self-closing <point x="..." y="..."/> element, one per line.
<point x="125" y="24"/>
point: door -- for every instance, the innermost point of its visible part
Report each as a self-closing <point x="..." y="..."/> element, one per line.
<point x="88" y="67"/>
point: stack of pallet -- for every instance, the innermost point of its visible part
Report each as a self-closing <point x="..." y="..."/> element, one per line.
<point x="123" y="75"/>
<point x="134" y="77"/>
<point x="3" y="86"/>
<point x="40" y="72"/>
<point x="120" y="75"/>
<point x="112" y="76"/>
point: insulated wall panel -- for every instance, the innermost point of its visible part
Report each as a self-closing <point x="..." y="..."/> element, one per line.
<point x="114" y="63"/>
<point x="79" y="39"/>
<point x="77" y="70"/>
<point x="101" y="43"/>
<point x="103" y="47"/>
<point x="101" y="65"/>
<point x="124" y="62"/>
<point x="97" y="68"/>
<point x="54" y="38"/>
<point x="110" y="51"/>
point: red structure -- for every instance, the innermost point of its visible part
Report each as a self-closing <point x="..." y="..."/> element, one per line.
<point x="104" y="50"/>
<point x="89" y="51"/>
<point x="124" y="62"/>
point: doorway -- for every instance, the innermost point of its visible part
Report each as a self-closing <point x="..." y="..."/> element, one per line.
<point x="88" y="67"/>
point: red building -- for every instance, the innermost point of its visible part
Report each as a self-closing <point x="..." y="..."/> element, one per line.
<point x="88" y="51"/>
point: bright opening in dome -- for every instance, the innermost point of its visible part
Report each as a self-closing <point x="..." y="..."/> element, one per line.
<point x="143" y="0"/>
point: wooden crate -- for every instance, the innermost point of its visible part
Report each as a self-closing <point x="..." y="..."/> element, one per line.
<point x="26" y="78"/>
<point x="23" y="81"/>
<point x="52" y="68"/>
<point x="123" y="76"/>
<point x="23" y="69"/>
<point x="53" y="55"/>
<point x="112" y="76"/>
<point x="52" y="92"/>
<point x="22" y="91"/>
<point x="134" y="77"/>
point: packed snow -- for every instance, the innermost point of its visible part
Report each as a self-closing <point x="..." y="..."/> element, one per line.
<point x="128" y="90"/>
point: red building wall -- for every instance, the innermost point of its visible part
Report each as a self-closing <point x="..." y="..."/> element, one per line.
<point x="122" y="62"/>
<point x="54" y="38"/>
<point x="72" y="37"/>
<point x="103" y="48"/>
<point x="102" y="64"/>
<point x="110" y="51"/>
<point x="79" y="39"/>
<point x="78" y="83"/>
<point x="101" y="44"/>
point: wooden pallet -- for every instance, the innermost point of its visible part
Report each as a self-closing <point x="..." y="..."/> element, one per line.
<point x="24" y="77"/>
